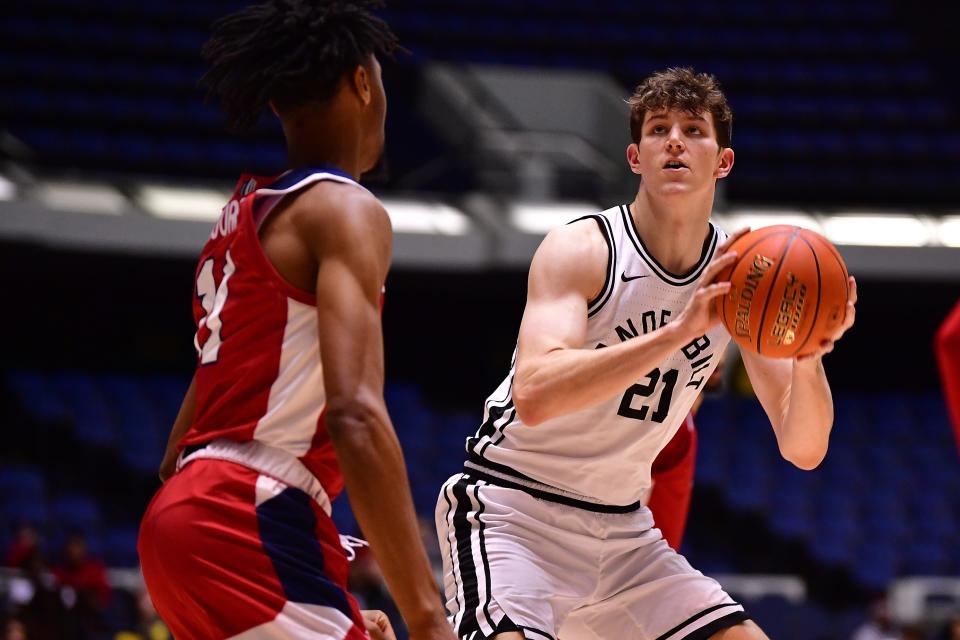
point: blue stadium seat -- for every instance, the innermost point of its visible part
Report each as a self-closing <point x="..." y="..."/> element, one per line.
<point x="16" y="511"/>
<point x="37" y="395"/>
<point x="76" y="512"/>
<point x="120" y="547"/>
<point x="876" y="565"/>
<point x="794" y="522"/>
<point x="785" y="620"/>
<point x="21" y="481"/>
<point x="833" y="551"/>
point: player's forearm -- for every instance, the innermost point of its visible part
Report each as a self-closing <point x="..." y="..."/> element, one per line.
<point x="804" y="434"/>
<point x="375" y="476"/>
<point x="181" y="425"/>
<point x="568" y="380"/>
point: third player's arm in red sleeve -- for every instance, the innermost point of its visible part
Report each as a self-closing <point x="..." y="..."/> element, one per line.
<point x="948" y="357"/>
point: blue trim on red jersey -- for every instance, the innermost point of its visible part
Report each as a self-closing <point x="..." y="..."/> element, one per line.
<point x="291" y="178"/>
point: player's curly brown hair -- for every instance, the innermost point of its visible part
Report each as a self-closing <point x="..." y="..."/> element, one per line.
<point x="683" y="89"/>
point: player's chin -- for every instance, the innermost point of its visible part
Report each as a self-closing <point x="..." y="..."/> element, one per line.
<point x="675" y="188"/>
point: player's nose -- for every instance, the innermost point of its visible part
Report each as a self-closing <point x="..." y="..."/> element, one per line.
<point x="675" y="140"/>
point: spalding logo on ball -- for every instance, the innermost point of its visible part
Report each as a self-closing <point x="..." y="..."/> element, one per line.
<point x="788" y="291"/>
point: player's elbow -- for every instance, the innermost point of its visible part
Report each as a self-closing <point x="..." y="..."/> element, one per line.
<point x="804" y="458"/>
<point x="351" y="420"/>
<point x="527" y="404"/>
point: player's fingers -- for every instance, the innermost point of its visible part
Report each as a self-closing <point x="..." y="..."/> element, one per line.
<point x="384" y="623"/>
<point x="373" y="618"/>
<point x="377" y="625"/>
<point x="718" y="264"/>
<point x="742" y="231"/>
<point x="376" y="633"/>
<point x="851" y="316"/>
<point x="853" y="290"/>
<point x="716" y="289"/>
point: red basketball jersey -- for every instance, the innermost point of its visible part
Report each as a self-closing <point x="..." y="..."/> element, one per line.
<point x="260" y="374"/>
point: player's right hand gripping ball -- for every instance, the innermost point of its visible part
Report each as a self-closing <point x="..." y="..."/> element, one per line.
<point x="788" y="291"/>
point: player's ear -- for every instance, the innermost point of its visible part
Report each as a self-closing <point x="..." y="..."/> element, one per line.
<point x="725" y="163"/>
<point x="361" y="84"/>
<point x="633" y="157"/>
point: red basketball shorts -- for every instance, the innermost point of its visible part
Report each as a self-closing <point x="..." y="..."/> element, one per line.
<point x="672" y="476"/>
<point x="230" y="553"/>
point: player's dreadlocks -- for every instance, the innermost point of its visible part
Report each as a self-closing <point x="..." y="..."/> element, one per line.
<point x="289" y="52"/>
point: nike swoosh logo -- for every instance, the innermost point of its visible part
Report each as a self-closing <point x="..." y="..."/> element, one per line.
<point x="626" y="278"/>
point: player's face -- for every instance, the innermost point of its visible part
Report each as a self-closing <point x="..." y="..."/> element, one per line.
<point x="376" y="115"/>
<point x="678" y="153"/>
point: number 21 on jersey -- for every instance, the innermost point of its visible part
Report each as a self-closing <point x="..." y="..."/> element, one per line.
<point x="212" y="299"/>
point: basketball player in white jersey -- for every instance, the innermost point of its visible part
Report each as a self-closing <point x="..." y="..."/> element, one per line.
<point x="543" y="534"/>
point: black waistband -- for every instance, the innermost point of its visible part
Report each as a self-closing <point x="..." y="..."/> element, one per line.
<point x="193" y="448"/>
<point x="543" y="494"/>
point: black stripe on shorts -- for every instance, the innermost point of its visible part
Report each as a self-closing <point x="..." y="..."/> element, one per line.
<point x="468" y="569"/>
<point x="702" y="633"/>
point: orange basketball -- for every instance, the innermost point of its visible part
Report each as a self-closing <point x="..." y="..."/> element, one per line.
<point x="788" y="293"/>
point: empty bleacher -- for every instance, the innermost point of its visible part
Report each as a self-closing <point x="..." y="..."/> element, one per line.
<point x="834" y="102"/>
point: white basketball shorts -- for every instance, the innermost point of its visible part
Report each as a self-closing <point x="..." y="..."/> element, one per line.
<point x="516" y="559"/>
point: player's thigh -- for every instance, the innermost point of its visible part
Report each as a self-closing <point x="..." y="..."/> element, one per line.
<point x="195" y="555"/>
<point x="649" y="591"/>
<point x="227" y="551"/>
<point x="508" y="566"/>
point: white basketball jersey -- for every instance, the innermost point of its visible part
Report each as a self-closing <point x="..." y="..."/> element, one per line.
<point x="603" y="453"/>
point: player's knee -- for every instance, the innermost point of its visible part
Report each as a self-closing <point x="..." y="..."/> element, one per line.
<point x="509" y="635"/>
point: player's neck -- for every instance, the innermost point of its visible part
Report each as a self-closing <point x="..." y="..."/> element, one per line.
<point x="300" y="156"/>
<point x="673" y="228"/>
<point x="314" y="142"/>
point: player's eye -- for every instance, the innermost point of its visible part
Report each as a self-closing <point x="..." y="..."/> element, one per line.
<point x="693" y="130"/>
<point x="659" y="129"/>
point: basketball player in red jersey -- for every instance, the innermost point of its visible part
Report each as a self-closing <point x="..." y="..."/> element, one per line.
<point x="948" y="357"/>
<point x="286" y="405"/>
<point x="671" y="475"/>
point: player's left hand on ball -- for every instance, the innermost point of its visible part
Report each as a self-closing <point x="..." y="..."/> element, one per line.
<point x="378" y="625"/>
<point x="848" y="319"/>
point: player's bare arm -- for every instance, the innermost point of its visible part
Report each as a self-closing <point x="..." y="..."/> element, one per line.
<point x="795" y="395"/>
<point x="180" y="427"/>
<point x="555" y="374"/>
<point x="350" y="237"/>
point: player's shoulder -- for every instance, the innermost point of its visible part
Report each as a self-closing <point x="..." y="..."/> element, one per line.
<point x="584" y="239"/>
<point x="345" y="207"/>
<point x="576" y="254"/>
